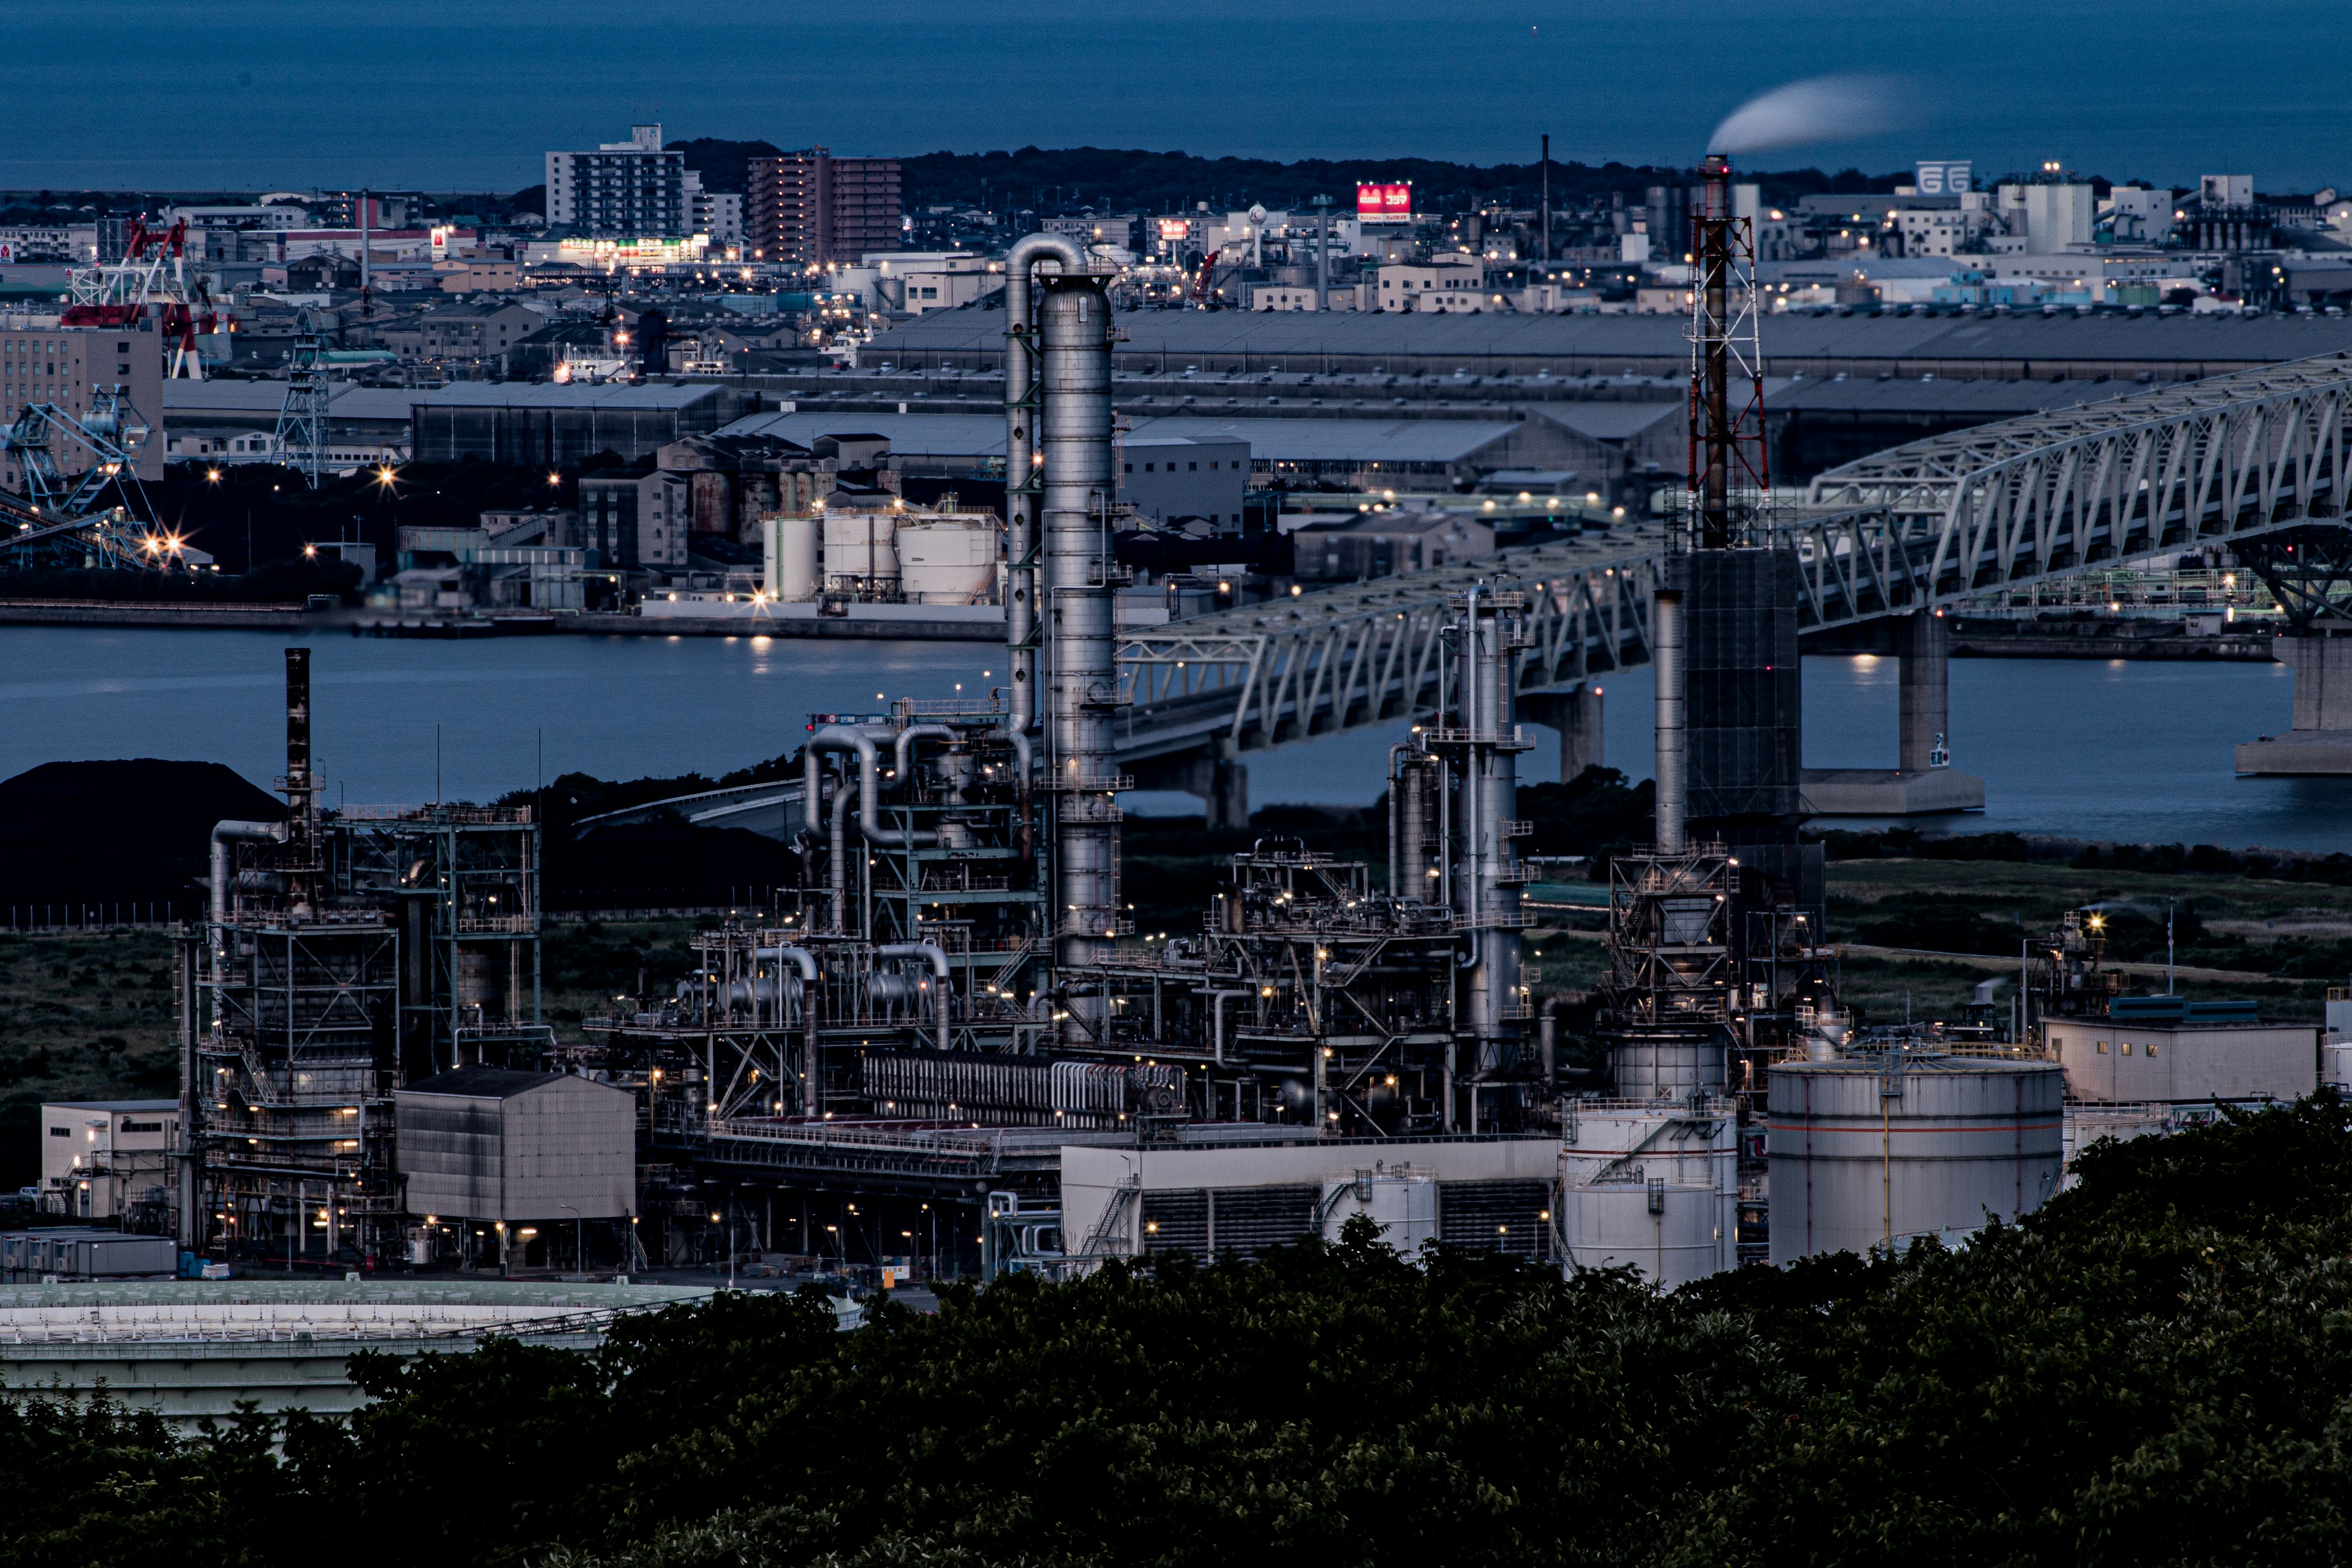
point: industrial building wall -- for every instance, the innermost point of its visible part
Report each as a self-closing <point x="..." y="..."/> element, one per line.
<point x="571" y="1152"/>
<point x="1744" y="686"/>
<point x="1180" y="1185"/>
<point x="2127" y="1063"/>
<point x="451" y="1154"/>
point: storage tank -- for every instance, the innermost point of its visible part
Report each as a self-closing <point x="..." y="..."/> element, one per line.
<point x="861" y="550"/>
<point x="1877" y="1148"/>
<point x="791" y="558"/>
<point x="1653" y="1187"/>
<point x="1400" y="1199"/>
<point x="949" y="559"/>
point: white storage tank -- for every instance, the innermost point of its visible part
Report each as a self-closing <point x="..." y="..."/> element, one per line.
<point x="791" y="568"/>
<point x="1400" y="1199"/>
<point x="861" y="549"/>
<point x="1879" y="1148"/>
<point x="949" y="559"/>
<point x="1652" y="1185"/>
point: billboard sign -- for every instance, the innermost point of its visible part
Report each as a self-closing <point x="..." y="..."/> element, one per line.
<point x="1942" y="179"/>
<point x="1385" y="204"/>
<point x="1174" y="230"/>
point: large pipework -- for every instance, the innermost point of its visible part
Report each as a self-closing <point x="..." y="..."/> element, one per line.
<point x="1666" y="660"/>
<point x="1023" y="487"/>
<point x="938" y="962"/>
<point x="224" y="874"/>
<point x="812" y="1091"/>
<point x="843" y="740"/>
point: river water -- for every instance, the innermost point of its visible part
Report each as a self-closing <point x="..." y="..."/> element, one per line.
<point x="2139" y="752"/>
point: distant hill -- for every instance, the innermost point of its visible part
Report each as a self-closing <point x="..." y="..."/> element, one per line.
<point x="1057" y="180"/>
<point x="724" y="166"/>
<point x="118" y="833"/>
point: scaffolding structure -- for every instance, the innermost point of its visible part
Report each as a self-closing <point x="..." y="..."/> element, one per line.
<point x="347" y="953"/>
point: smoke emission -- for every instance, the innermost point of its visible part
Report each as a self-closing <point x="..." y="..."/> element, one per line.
<point x="1822" y="109"/>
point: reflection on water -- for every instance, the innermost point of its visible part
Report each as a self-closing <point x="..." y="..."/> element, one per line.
<point x="2139" y="752"/>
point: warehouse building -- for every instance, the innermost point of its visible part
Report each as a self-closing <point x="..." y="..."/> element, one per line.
<point x="1944" y="345"/>
<point x="563" y="424"/>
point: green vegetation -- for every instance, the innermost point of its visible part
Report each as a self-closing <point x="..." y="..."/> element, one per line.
<point x="82" y="1016"/>
<point x="2152" y="1369"/>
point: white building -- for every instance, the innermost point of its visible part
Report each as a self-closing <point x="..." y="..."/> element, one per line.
<point x="98" y="1157"/>
<point x="718" y="214"/>
<point x="629" y="189"/>
<point x="1442" y="284"/>
<point x="1297" y="296"/>
<point x="2138" y="215"/>
<point x="2049" y="217"/>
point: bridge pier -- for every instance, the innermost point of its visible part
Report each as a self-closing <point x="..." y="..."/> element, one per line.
<point x="1577" y="716"/>
<point x="1221" y="782"/>
<point x="1923" y="782"/>
<point x="2321" y="739"/>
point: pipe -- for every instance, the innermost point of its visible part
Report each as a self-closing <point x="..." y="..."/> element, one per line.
<point x="906" y="744"/>
<point x="840" y="737"/>
<point x="937" y="955"/>
<point x="840" y="850"/>
<point x="1021" y="488"/>
<point x="805" y="962"/>
<point x="1548" y="1035"/>
<point x="224" y="833"/>
<point x="1217" y="1000"/>
<point x="1667" y="656"/>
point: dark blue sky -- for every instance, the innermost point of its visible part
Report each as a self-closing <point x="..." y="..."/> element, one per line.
<point x="267" y="93"/>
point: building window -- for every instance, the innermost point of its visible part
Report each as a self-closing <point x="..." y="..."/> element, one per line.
<point x="2103" y="1048"/>
<point x="2127" y="1047"/>
<point x="2151" y="1048"/>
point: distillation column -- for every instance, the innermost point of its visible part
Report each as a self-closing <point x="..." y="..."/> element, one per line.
<point x="1486" y="882"/>
<point x="1081" y="678"/>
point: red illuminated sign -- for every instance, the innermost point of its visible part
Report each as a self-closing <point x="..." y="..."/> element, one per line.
<point x="1385" y="204"/>
<point x="1172" y="229"/>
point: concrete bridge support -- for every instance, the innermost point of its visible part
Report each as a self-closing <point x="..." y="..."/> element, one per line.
<point x="1923" y="782"/>
<point x="2321" y="740"/>
<point x="1221" y="783"/>
<point x="1577" y="716"/>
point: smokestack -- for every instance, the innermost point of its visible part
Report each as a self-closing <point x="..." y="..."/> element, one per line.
<point x="1667" y="656"/>
<point x="1711" y="432"/>
<point x="300" y="860"/>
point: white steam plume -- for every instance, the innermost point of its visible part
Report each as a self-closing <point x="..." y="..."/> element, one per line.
<point x="1822" y="108"/>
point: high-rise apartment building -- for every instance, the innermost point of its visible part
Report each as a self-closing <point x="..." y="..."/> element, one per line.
<point x="812" y="207"/>
<point x="624" y="190"/>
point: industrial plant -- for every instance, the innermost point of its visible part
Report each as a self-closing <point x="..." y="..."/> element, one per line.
<point x="953" y="1022"/>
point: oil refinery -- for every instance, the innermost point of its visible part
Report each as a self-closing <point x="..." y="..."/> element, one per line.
<point x="952" y="1023"/>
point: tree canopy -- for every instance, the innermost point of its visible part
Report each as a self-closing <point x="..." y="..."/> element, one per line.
<point x="2156" y="1368"/>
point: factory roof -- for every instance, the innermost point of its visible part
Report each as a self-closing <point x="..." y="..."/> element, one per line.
<point x="481" y="1083"/>
<point x="1339" y="441"/>
<point x="116" y="1105"/>
<point x="346" y="400"/>
<point x="1986" y="398"/>
<point x="1792" y="335"/>
<point x="909" y="434"/>
<point x="1604" y="420"/>
<point x="564" y="395"/>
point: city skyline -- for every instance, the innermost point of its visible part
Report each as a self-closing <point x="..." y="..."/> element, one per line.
<point x="245" y="96"/>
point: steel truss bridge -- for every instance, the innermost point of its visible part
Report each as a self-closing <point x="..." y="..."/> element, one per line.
<point x="2245" y="457"/>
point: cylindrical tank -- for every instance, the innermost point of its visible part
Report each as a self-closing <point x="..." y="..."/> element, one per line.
<point x="1400" y="1200"/>
<point x="1873" y="1149"/>
<point x="1652" y="1187"/>
<point x="791" y="558"/>
<point x="948" y="560"/>
<point x="480" y="980"/>
<point x="861" y="548"/>
<point x="1668" y="1065"/>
